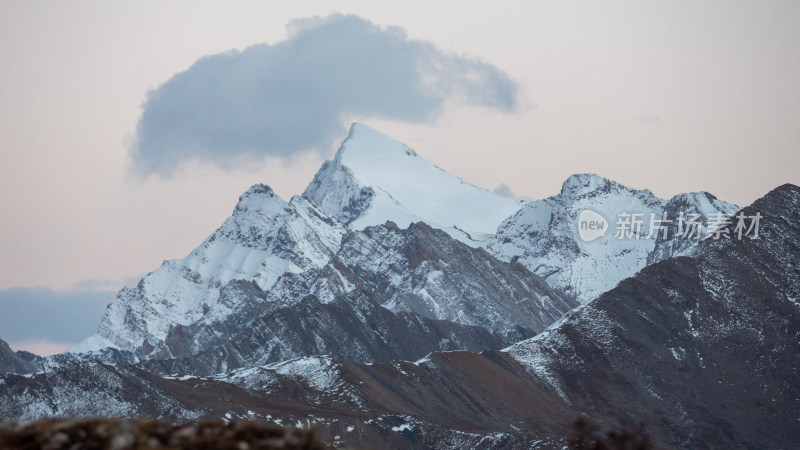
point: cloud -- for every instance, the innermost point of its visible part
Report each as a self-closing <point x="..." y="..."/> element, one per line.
<point x="504" y="189"/>
<point x="46" y="316"/>
<point x="650" y="120"/>
<point x="296" y="95"/>
<point x="105" y="284"/>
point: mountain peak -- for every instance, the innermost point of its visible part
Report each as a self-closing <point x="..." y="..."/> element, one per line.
<point x="787" y="189"/>
<point x="581" y="183"/>
<point x="688" y="196"/>
<point x="779" y="202"/>
<point x="258" y="189"/>
<point x="366" y="144"/>
<point x="374" y="178"/>
<point x="259" y="197"/>
<point x="703" y="201"/>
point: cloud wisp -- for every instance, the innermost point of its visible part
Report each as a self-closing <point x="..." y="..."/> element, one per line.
<point x="505" y="190"/>
<point x="296" y="95"/>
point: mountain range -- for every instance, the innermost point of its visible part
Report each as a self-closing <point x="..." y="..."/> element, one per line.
<point x="396" y="304"/>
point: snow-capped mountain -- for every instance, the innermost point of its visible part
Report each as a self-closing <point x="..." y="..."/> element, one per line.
<point x="545" y="237"/>
<point x="702" y="349"/>
<point x="374" y="179"/>
<point x="348" y="309"/>
<point x="264" y="240"/>
<point x="335" y="240"/>
<point x="269" y="253"/>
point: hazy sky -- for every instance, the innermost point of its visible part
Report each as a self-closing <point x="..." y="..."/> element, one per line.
<point x="674" y="96"/>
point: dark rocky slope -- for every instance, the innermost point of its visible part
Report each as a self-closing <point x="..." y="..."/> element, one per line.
<point x="11" y="361"/>
<point x="352" y="327"/>
<point x="424" y="270"/>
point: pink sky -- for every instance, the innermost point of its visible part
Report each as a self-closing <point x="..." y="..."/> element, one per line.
<point x="40" y="347"/>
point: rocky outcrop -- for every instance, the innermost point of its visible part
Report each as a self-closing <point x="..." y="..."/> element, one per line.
<point x="10" y="361"/>
<point x="352" y="327"/>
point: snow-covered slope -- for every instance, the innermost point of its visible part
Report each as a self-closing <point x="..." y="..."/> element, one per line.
<point x="374" y="178"/>
<point x="263" y="239"/>
<point x="544" y="234"/>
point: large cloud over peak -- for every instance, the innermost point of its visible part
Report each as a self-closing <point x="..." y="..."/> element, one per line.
<point x="295" y="95"/>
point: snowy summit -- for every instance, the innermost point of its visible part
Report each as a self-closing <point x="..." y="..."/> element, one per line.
<point x="374" y="178"/>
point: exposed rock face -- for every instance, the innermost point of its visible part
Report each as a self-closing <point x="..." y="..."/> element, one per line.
<point x="352" y="327"/>
<point x="424" y="271"/>
<point x="681" y="240"/>
<point x="10" y="361"/>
